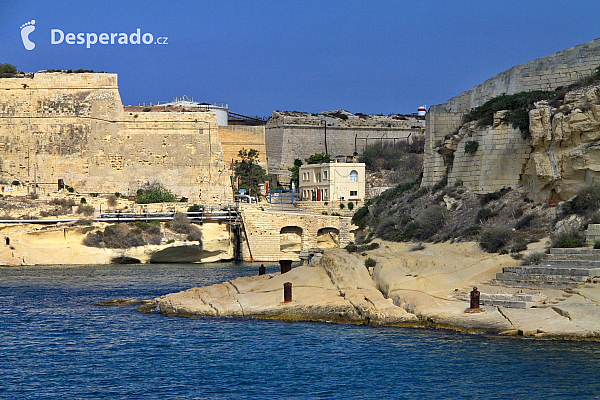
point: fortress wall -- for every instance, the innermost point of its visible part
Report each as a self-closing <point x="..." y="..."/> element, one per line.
<point x="547" y="73"/>
<point x="498" y="162"/>
<point x="235" y="137"/>
<point x="72" y="126"/>
<point x="438" y="124"/>
<point x="301" y="141"/>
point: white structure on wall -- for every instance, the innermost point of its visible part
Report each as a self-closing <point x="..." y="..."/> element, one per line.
<point x="334" y="181"/>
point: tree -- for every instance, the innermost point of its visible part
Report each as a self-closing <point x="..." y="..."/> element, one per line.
<point x="8" y="69"/>
<point x="295" y="170"/>
<point x="248" y="172"/>
<point x="318" y="158"/>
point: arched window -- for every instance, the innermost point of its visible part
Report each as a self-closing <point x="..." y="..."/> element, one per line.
<point x="353" y="176"/>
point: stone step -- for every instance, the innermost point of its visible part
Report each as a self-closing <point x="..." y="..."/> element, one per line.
<point x="578" y="250"/>
<point x="536" y="284"/>
<point x="584" y="257"/>
<point x="572" y="263"/>
<point x="550" y="270"/>
<point x="541" y="277"/>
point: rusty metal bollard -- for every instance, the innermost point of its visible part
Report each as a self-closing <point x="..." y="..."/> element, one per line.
<point x="286" y="266"/>
<point x="474" y="298"/>
<point x="261" y="269"/>
<point x="475" y="307"/>
<point x="287" y="292"/>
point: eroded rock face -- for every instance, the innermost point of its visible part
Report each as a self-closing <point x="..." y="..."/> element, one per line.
<point x="565" y="145"/>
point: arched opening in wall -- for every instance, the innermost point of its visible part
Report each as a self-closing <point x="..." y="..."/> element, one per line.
<point x="328" y="238"/>
<point x="290" y="239"/>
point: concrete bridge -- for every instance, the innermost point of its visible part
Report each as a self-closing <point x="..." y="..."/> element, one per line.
<point x="276" y="235"/>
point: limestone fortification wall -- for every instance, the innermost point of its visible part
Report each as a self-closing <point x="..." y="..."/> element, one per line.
<point x="235" y="137"/>
<point x="300" y="136"/>
<point x="442" y="122"/>
<point x="73" y="127"/>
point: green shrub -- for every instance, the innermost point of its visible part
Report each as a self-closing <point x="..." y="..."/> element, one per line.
<point x="112" y="200"/>
<point x="180" y="223"/>
<point x="597" y="244"/>
<point x="471" y="147"/>
<point x="8" y="69"/>
<point x="183" y="200"/>
<point x="494" y="239"/>
<point x="533" y="259"/>
<point x="94" y="239"/>
<point x="350" y="206"/>
<point x="85" y="210"/>
<point x="586" y="202"/>
<point x="369" y="262"/>
<point x="119" y="236"/>
<point x="360" y="217"/>
<point x="569" y="240"/>
<point x="83" y="200"/>
<point x="16" y="183"/>
<point x="430" y="221"/>
<point x="484" y="214"/>
<point x="146" y="109"/>
<point x="194" y="208"/>
<point x="195" y="234"/>
<point x="342" y="206"/>
<point x="497" y="195"/>
<point x="517" y="106"/>
<point x="351" y="248"/>
<point x="524" y="222"/>
<point x="154" y="193"/>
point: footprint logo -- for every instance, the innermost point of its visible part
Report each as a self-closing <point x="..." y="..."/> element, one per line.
<point x="26" y="29"/>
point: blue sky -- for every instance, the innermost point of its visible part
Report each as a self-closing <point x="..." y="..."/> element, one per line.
<point x="259" y="56"/>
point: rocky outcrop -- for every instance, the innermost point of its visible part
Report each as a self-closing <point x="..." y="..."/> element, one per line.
<point x="338" y="289"/>
<point x="565" y="142"/>
<point x="428" y="287"/>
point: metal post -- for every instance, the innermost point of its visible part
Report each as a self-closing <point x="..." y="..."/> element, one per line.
<point x="475" y="298"/>
<point x="286" y="266"/>
<point x="474" y="306"/>
<point x="287" y="292"/>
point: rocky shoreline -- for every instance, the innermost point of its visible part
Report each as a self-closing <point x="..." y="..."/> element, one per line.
<point x="423" y="288"/>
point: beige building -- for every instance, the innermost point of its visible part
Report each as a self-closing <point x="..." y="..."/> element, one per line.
<point x="332" y="181"/>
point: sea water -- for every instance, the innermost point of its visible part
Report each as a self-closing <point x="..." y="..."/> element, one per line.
<point x="56" y="343"/>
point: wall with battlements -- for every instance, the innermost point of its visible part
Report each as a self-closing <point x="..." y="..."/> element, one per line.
<point x="442" y="122"/>
<point x="73" y="127"/>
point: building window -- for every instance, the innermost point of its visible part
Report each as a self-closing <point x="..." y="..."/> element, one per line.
<point x="353" y="176"/>
<point x="324" y="174"/>
<point x="353" y="193"/>
<point x="318" y="176"/>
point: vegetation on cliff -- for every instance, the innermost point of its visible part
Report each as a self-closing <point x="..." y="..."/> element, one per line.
<point x="247" y="171"/>
<point x="154" y="193"/>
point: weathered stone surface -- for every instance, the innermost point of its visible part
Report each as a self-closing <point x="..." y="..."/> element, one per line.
<point x="74" y="127"/>
<point x="417" y="288"/>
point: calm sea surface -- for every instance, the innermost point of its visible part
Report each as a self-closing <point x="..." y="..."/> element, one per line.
<point x="55" y="343"/>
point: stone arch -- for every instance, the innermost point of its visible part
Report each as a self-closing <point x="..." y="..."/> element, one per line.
<point x="328" y="238"/>
<point x="290" y="239"/>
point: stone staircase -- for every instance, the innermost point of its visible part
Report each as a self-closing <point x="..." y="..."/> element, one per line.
<point x="561" y="269"/>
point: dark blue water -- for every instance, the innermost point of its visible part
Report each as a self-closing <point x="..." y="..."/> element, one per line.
<point x="55" y="343"/>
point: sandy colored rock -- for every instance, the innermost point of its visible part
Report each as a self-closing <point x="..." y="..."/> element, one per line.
<point x="428" y="287"/>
